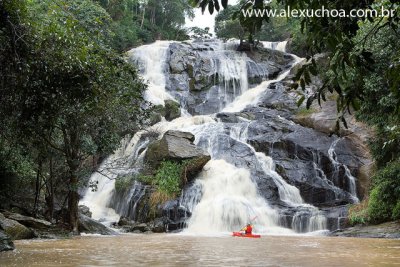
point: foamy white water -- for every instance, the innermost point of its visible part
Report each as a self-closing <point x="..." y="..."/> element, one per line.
<point x="280" y="46"/>
<point x="288" y="193"/>
<point x="252" y="96"/>
<point x="224" y="197"/>
<point x="337" y="165"/>
<point x="230" y="200"/>
<point x="153" y="57"/>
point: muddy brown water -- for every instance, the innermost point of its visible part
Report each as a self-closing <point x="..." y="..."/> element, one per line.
<point x="180" y="250"/>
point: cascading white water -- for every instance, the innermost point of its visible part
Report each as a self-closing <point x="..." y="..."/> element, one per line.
<point x="153" y="58"/>
<point x="307" y="219"/>
<point x="229" y="201"/>
<point x="118" y="163"/>
<point x="224" y="197"/>
<point x="350" y="178"/>
<point x="280" y="46"/>
<point x="231" y="67"/>
<point x="252" y="96"/>
<point x="288" y="193"/>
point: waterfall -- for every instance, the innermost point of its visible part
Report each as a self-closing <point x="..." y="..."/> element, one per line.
<point x="351" y="180"/>
<point x="225" y="196"/>
<point x="229" y="201"/>
<point x="280" y="46"/>
<point x="229" y="72"/>
<point x="252" y="96"/>
<point x="118" y="163"/>
<point x="288" y="193"/>
<point x="152" y="59"/>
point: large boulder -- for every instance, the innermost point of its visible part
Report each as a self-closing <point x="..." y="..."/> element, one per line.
<point x="175" y="146"/>
<point x="89" y="226"/>
<point x="5" y="242"/>
<point x="14" y="229"/>
<point x="271" y="62"/>
<point x="28" y="221"/>
<point x="85" y="210"/>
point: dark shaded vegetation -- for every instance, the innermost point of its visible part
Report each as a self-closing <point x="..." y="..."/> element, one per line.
<point x="67" y="95"/>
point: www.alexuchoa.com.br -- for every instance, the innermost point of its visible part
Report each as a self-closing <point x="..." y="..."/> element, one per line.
<point x="318" y="13"/>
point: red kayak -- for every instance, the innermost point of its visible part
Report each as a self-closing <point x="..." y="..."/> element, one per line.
<point x="239" y="234"/>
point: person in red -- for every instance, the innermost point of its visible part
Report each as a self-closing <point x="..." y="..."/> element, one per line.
<point x="248" y="230"/>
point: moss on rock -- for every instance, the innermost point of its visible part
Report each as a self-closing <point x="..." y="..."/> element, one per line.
<point x="172" y="110"/>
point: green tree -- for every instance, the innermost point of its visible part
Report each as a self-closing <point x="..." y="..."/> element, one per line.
<point x="199" y="33"/>
<point x="135" y="22"/>
<point x="64" y="88"/>
<point x="227" y="27"/>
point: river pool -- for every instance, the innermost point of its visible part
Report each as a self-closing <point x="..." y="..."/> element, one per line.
<point x="183" y="250"/>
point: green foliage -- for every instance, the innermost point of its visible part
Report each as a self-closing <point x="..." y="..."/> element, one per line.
<point x="199" y="33"/>
<point x="168" y="177"/>
<point x="358" y="218"/>
<point x="230" y="22"/>
<point x="65" y="94"/>
<point x="358" y="213"/>
<point x="385" y="196"/>
<point x="226" y="27"/>
<point x="15" y="160"/>
<point x="146" y="179"/>
<point x="377" y="97"/>
<point x="124" y="182"/>
<point x="135" y="22"/>
<point x="396" y="211"/>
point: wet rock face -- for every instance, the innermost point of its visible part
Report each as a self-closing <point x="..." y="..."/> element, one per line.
<point x="302" y="159"/>
<point x="5" y="242"/>
<point x="384" y="230"/>
<point x="133" y="203"/>
<point x="170" y="111"/>
<point x="205" y="78"/>
<point x="174" y="216"/>
<point x="85" y="211"/>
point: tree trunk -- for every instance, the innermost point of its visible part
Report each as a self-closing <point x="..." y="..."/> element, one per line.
<point x="37" y="189"/>
<point x="71" y="143"/>
<point x="144" y="12"/>
<point x="50" y="203"/>
<point x="73" y="200"/>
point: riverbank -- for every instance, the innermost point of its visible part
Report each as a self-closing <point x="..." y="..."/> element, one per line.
<point x="389" y="230"/>
<point x="29" y="228"/>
